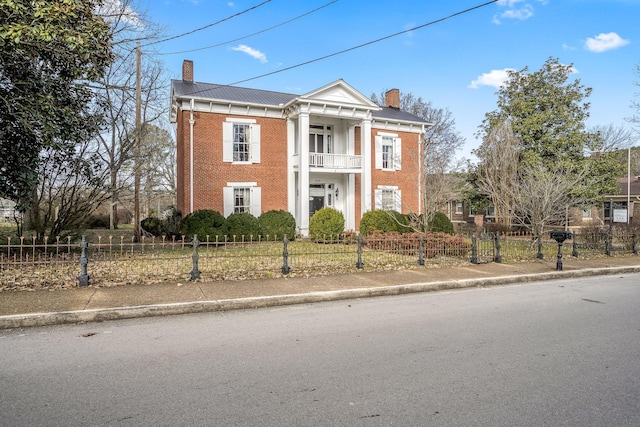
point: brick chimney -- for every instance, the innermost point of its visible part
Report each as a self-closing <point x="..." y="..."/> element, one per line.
<point x="392" y="98"/>
<point x="187" y="70"/>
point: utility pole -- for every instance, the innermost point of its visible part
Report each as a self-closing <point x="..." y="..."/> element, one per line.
<point x="136" y="190"/>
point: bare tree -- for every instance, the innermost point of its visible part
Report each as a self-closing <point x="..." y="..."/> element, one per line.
<point x="498" y="171"/>
<point x="70" y="188"/>
<point x="116" y="92"/>
<point x="159" y="168"/>
<point x="543" y="195"/>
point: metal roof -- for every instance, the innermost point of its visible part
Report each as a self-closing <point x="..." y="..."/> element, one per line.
<point x="184" y="89"/>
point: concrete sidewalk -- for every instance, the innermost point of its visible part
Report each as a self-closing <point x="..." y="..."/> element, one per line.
<point x="38" y="308"/>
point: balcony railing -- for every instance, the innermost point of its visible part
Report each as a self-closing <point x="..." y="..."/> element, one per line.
<point x="335" y="161"/>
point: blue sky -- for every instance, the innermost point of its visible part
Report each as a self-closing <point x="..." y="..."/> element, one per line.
<point x="456" y="64"/>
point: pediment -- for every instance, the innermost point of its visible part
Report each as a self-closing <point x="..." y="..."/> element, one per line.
<point x="340" y="93"/>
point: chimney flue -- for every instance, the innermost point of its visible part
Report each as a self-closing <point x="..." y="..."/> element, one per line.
<point x="187" y="70"/>
<point x="392" y="98"/>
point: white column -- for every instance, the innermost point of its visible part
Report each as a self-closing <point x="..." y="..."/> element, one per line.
<point x="365" y="139"/>
<point x="303" y="176"/>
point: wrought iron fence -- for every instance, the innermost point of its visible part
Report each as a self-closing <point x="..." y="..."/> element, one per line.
<point x="26" y="263"/>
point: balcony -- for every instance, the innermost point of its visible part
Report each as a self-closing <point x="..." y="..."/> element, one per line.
<point x="335" y="161"/>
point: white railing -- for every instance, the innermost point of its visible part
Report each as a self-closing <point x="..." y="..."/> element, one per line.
<point x="335" y="161"/>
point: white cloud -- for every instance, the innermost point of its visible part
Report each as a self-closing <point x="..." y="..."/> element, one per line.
<point x="515" y="9"/>
<point x="605" y="41"/>
<point x="494" y="78"/>
<point x="251" y="52"/>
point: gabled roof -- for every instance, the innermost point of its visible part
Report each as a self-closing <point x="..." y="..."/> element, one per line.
<point x="338" y="91"/>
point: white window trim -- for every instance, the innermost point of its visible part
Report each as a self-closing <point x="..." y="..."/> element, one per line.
<point x="397" y="151"/>
<point x="397" y="197"/>
<point x="227" y="140"/>
<point x="255" y="198"/>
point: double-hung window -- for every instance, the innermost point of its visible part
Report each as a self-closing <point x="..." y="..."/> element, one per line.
<point x="388" y="198"/>
<point x="240" y="141"/>
<point x="242" y="200"/>
<point x="242" y="197"/>
<point x="388" y="149"/>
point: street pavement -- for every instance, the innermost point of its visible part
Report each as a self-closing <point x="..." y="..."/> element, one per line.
<point x="19" y="309"/>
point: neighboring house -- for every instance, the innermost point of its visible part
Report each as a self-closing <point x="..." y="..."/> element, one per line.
<point x="251" y="150"/>
<point x="615" y="205"/>
<point x="7" y="210"/>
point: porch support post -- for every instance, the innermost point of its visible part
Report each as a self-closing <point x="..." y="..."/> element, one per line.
<point x="365" y="139"/>
<point x="303" y="176"/>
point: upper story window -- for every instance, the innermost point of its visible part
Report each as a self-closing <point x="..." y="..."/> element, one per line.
<point x="320" y="139"/>
<point x="388" y="151"/>
<point x="459" y="207"/>
<point x="240" y="141"/>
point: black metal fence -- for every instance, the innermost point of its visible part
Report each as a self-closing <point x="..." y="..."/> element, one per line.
<point x="28" y="264"/>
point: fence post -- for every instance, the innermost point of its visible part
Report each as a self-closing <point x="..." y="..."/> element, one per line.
<point x="574" y="251"/>
<point x="474" y="249"/>
<point x="195" y="272"/>
<point x="83" y="278"/>
<point x="285" y="256"/>
<point x="634" y="250"/>
<point x="359" y="263"/>
<point x="497" y="258"/>
<point x="421" y="252"/>
<point x="607" y="243"/>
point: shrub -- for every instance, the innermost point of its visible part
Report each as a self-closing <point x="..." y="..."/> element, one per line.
<point x="434" y="244"/>
<point x="242" y="226"/>
<point x="276" y="224"/>
<point x="98" y="221"/>
<point x="204" y="223"/>
<point x="326" y="222"/>
<point x="441" y="224"/>
<point x="153" y="226"/>
<point x="383" y="222"/>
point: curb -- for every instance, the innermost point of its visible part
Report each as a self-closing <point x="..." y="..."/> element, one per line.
<point x="116" y="313"/>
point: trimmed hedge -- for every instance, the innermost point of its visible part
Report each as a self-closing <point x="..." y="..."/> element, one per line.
<point x="326" y="222"/>
<point x="434" y="244"/>
<point x="276" y="224"/>
<point x="441" y="224"/>
<point x="242" y="226"/>
<point x="204" y="222"/>
<point x="383" y="221"/>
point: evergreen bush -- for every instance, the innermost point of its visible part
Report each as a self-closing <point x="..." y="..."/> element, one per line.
<point x="326" y="222"/>
<point x="275" y="224"/>
<point x="242" y="226"/>
<point x="204" y="222"/>
<point x="383" y="222"/>
<point x="441" y="224"/>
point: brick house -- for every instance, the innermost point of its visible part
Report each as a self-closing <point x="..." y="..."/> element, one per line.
<point x="252" y="150"/>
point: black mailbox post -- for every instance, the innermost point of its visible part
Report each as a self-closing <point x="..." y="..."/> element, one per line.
<point x="560" y="236"/>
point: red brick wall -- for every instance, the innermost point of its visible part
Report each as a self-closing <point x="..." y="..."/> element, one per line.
<point x="211" y="174"/>
<point x="405" y="179"/>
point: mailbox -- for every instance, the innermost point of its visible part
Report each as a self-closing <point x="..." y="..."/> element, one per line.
<point x="560" y="235"/>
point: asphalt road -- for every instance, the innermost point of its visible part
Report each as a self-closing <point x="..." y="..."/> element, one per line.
<point x="541" y="354"/>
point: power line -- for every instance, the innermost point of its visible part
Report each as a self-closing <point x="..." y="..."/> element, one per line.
<point x="208" y="25"/>
<point x="253" y="34"/>
<point x="356" y="47"/>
